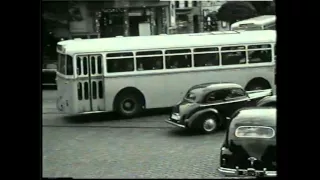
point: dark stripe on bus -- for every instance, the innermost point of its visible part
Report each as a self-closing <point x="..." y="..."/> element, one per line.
<point x="85" y="65"/>
<point x="93" y="65"/>
<point x="94" y="90"/>
<point x="86" y="91"/>
<point x="80" y="91"/>
<point x="79" y="66"/>
<point x="99" y="65"/>
<point x="100" y="89"/>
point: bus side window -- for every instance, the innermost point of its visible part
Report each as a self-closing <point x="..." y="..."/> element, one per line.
<point x="175" y="58"/>
<point x="203" y="57"/>
<point x="234" y="55"/>
<point x="259" y="56"/>
<point x="122" y="62"/>
<point x="149" y="63"/>
<point x="69" y="65"/>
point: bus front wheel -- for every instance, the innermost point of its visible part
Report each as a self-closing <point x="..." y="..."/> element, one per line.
<point x="129" y="105"/>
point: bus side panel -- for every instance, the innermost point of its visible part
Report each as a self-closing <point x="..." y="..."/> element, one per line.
<point x="149" y="85"/>
<point x="82" y="96"/>
<point x="165" y="90"/>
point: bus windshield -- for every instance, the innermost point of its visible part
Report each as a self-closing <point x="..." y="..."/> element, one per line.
<point x="65" y="64"/>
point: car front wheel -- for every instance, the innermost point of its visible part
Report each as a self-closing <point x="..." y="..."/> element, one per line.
<point x="208" y="124"/>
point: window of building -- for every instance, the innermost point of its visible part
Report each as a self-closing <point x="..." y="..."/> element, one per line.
<point x="194" y="3"/>
<point x="177" y="4"/>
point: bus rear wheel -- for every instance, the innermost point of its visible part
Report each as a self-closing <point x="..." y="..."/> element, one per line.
<point x="129" y="105"/>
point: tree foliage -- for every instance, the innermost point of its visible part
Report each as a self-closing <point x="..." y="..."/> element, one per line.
<point x="233" y="11"/>
<point x="271" y="9"/>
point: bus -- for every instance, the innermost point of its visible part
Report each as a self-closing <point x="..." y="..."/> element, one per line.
<point x="266" y="22"/>
<point x="130" y="74"/>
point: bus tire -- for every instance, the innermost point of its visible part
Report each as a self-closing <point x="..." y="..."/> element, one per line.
<point x="129" y="105"/>
<point x="257" y="84"/>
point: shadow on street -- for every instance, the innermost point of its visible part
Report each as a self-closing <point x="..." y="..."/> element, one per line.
<point x="111" y="116"/>
<point x="189" y="132"/>
<point x="184" y="132"/>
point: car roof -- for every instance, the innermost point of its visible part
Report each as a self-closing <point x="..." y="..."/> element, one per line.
<point x="260" y="116"/>
<point x="216" y="86"/>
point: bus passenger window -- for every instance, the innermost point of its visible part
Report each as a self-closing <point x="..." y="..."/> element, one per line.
<point x="259" y="56"/>
<point x="120" y="65"/>
<point x="85" y="65"/>
<point x="153" y="62"/>
<point x="120" y="62"/>
<point x="69" y="65"/>
<point x="79" y="91"/>
<point x="234" y="55"/>
<point x="78" y="65"/>
<point x="203" y="58"/>
<point x="179" y="58"/>
<point x="93" y="65"/>
<point x="149" y="63"/>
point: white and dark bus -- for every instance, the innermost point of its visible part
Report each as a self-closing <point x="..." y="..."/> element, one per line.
<point x="129" y="74"/>
<point x="266" y="22"/>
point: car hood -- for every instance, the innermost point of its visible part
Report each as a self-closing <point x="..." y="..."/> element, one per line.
<point x="259" y="93"/>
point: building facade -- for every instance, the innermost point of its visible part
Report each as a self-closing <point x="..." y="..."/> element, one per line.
<point x="115" y="18"/>
<point x="212" y="7"/>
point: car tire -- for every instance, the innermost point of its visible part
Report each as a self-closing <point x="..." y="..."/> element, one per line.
<point x="129" y="105"/>
<point x="208" y="124"/>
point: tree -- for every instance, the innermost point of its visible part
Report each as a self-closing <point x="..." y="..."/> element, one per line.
<point x="234" y="11"/>
<point x="261" y="6"/>
<point x="271" y="9"/>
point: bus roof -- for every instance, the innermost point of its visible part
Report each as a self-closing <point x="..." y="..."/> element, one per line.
<point x="167" y="41"/>
<point x="260" y="20"/>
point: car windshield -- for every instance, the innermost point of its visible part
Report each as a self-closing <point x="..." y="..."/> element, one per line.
<point x="255" y="132"/>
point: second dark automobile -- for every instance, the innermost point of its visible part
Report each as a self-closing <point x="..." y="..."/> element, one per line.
<point x="269" y="101"/>
<point x="249" y="148"/>
<point x="206" y="107"/>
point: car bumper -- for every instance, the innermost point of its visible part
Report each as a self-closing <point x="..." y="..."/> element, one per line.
<point x="169" y="121"/>
<point x="235" y="172"/>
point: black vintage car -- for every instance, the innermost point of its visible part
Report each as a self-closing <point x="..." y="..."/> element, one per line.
<point x="269" y="101"/>
<point x="249" y="148"/>
<point x="206" y="107"/>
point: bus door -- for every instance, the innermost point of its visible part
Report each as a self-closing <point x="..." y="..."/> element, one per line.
<point x="90" y="83"/>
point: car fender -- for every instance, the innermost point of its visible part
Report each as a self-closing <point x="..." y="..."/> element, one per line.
<point x="193" y="118"/>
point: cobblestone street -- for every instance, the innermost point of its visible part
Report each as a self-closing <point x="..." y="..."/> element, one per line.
<point x="95" y="146"/>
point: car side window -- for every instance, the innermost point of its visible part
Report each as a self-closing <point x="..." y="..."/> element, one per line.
<point x="236" y="93"/>
<point x="216" y="96"/>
